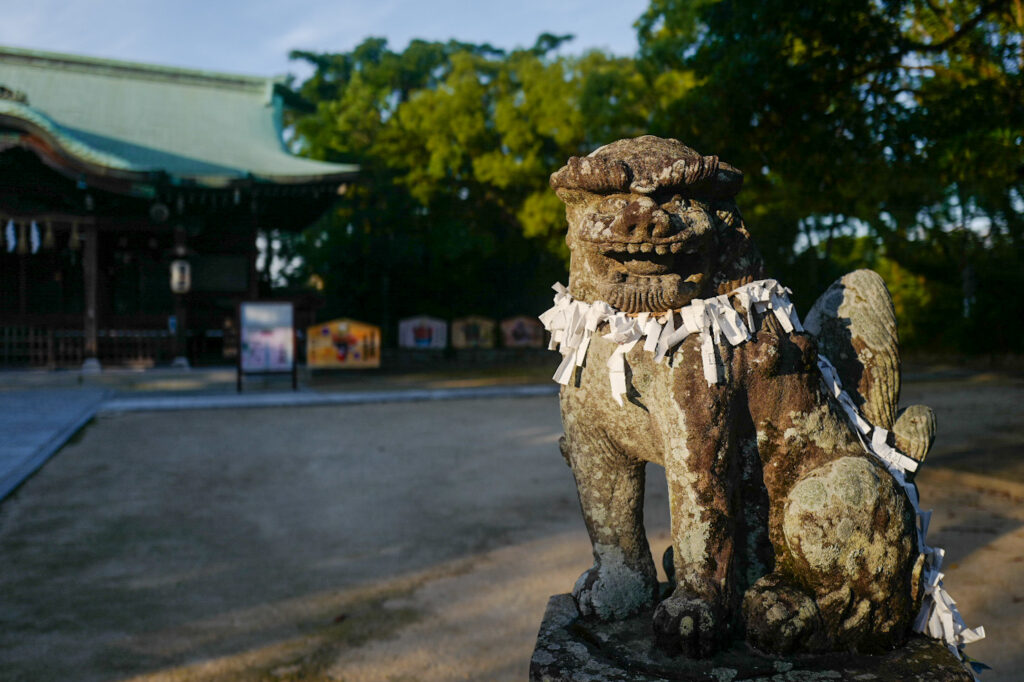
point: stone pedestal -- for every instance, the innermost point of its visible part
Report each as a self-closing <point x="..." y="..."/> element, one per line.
<point x="570" y="648"/>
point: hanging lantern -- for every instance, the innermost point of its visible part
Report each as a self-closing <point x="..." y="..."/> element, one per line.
<point x="48" y="241"/>
<point x="181" y="276"/>
<point x="22" y="240"/>
<point x="12" y="240"/>
<point x="74" y="241"/>
<point x="33" y="237"/>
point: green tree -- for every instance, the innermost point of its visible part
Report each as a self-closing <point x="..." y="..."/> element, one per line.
<point x="452" y="213"/>
<point x="902" y="120"/>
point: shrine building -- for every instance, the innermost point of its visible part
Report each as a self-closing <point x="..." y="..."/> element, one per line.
<point x="114" y="173"/>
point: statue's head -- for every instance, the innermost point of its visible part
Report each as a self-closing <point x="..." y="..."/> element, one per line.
<point x="653" y="225"/>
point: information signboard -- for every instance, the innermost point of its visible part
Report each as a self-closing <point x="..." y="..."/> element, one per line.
<point x="473" y="332"/>
<point x="423" y="332"/>
<point x="343" y="344"/>
<point x="267" y="339"/>
<point x="522" y="332"/>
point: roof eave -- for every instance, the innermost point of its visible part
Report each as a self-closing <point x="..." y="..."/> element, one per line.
<point x="57" y="154"/>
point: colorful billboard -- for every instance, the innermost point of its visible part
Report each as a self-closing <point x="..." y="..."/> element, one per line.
<point x="422" y="331"/>
<point x="522" y="332"/>
<point x="343" y="344"/>
<point x="267" y="336"/>
<point x="473" y="332"/>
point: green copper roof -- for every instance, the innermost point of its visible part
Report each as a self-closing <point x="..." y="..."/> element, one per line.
<point x="209" y="128"/>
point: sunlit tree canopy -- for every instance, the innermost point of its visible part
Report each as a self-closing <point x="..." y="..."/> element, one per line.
<point x="872" y="134"/>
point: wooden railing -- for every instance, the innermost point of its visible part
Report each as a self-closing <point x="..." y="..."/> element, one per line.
<point x="36" y="346"/>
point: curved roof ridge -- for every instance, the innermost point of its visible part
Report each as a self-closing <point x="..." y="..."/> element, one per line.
<point x="138" y="70"/>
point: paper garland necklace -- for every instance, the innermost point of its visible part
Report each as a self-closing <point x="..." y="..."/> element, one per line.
<point x="573" y="323"/>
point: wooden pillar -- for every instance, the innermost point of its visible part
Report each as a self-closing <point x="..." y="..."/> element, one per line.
<point x="180" y="307"/>
<point x="90" y="270"/>
<point x="22" y="285"/>
<point x="254" y="275"/>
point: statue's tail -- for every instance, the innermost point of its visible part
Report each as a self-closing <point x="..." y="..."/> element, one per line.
<point x="855" y="324"/>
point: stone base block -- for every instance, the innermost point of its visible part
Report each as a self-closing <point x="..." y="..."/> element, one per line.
<point x="571" y="648"/>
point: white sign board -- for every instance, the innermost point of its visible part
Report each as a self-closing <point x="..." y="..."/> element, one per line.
<point x="267" y="337"/>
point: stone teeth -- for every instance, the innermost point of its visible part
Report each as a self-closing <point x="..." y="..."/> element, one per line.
<point x="646" y="248"/>
<point x="661" y="249"/>
<point x="632" y="248"/>
<point x="676" y="247"/>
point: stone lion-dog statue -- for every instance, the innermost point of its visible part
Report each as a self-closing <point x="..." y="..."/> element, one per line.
<point x="785" y="530"/>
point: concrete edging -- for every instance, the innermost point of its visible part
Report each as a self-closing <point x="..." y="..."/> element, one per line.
<point x="234" y="401"/>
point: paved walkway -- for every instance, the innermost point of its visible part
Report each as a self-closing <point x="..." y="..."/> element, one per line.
<point x="35" y="424"/>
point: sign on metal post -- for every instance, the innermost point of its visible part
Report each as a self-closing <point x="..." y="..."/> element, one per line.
<point x="266" y="339"/>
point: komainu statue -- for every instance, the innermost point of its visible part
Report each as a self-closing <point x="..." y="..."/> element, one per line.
<point x="793" y="512"/>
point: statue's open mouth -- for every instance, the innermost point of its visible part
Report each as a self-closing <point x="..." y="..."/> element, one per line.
<point x="661" y="248"/>
<point x="652" y="260"/>
<point x="651" y="277"/>
<point x="644" y="264"/>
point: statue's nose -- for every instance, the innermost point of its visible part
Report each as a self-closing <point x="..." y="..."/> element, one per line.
<point x="640" y="220"/>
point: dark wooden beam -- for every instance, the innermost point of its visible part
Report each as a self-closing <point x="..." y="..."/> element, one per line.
<point x="90" y="267"/>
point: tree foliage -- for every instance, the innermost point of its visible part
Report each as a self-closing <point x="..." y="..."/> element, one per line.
<point x="900" y="120"/>
<point x="452" y="214"/>
<point x="884" y="134"/>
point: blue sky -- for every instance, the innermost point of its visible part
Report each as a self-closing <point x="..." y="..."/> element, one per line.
<point x="255" y="36"/>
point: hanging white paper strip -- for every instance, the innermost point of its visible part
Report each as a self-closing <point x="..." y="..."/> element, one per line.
<point x="572" y="323"/>
<point x="34" y="237"/>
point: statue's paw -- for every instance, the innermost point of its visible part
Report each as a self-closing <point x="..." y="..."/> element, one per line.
<point x="689" y="626"/>
<point x="614" y="591"/>
<point x="782" y="619"/>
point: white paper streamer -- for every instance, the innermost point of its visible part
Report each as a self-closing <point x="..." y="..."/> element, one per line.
<point x="572" y="324"/>
<point x="34" y="237"/>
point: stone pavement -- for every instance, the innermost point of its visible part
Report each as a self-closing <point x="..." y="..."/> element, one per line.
<point x="411" y="541"/>
<point x="35" y="424"/>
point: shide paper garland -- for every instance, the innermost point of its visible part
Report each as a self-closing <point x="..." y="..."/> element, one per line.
<point x="573" y="323"/>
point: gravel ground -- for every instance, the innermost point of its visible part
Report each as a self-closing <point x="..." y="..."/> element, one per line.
<point x="388" y="542"/>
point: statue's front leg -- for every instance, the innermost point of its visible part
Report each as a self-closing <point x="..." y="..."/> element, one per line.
<point x="611" y="491"/>
<point x="702" y="479"/>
